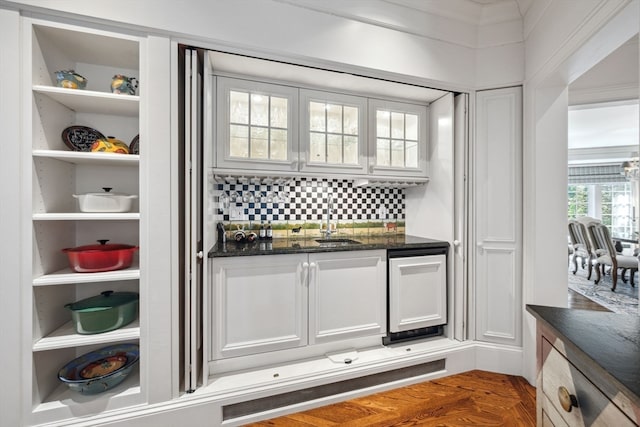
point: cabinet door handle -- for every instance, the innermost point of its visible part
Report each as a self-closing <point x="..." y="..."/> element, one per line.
<point x="200" y="255"/>
<point x="313" y="269"/>
<point x="456" y="243"/>
<point x="567" y="400"/>
<point x="305" y="272"/>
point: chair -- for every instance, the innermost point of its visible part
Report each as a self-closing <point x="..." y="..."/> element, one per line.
<point x="581" y="246"/>
<point x="602" y="240"/>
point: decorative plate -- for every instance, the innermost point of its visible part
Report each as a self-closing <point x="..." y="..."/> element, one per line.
<point x="134" y="147"/>
<point x="80" y="138"/>
<point x="100" y="370"/>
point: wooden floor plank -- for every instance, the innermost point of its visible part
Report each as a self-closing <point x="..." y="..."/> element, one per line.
<point x="475" y="398"/>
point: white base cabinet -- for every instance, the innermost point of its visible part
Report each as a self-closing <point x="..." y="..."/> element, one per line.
<point x="259" y="304"/>
<point x="417" y="292"/>
<point x="347" y="295"/>
<point x="279" y="302"/>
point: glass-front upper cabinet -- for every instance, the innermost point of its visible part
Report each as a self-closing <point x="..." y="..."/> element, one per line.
<point x="398" y="142"/>
<point x="333" y="132"/>
<point x="256" y="125"/>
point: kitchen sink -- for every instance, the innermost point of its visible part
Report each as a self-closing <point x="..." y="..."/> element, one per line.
<point x="337" y="242"/>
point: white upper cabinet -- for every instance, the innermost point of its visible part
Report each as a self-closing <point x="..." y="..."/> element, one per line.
<point x="256" y="125"/>
<point x="333" y="132"/>
<point x="264" y="126"/>
<point x="398" y="138"/>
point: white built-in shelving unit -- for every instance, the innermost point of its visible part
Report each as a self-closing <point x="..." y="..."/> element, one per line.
<point x="57" y="174"/>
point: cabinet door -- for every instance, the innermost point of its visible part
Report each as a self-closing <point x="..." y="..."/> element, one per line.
<point x="498" y="216"/>
<point x="256" y="125"/>
<point x="333" y="132"/>
<point x="398" y="142"/>
<point x="259" y="304"/>
<point x="346" y="295"/>
<point x="417" y="292"/>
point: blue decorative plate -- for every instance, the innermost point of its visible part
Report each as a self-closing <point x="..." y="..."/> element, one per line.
<point x="80" y="138"/>
<point x="100" y="370"/>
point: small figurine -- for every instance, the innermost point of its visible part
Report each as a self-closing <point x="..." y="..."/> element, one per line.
<point x="124" y="85"/>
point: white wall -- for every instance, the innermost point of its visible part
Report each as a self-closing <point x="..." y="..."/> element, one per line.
<point x="417" y="45"/>
<point x="10" y="220"/>
<point x="558" y="51"/>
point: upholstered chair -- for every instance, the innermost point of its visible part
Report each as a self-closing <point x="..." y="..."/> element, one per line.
<point x="604" y="245"/>
<point x="581" y="246"/>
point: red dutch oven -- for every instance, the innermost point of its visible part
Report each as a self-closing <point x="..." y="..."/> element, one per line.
<point x="102" y="257"/>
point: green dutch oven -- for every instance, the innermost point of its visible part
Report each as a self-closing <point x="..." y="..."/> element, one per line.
<point x="105" y="312"/>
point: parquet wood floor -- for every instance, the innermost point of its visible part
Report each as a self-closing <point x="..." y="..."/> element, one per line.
<point x="475" y="398"/>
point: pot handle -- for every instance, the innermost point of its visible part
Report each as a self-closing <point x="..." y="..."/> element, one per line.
<point x="106" y="293"/>
<point x="103" y="241"/>
<point x="107" y="189"/>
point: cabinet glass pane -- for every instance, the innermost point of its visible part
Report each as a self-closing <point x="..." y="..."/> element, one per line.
<point x="239" y="141"/>
<point x="334" y="149"/>
<point x="259" y="110"/>
<point x="279" y="144"/>
<point x="317" y="117"/>
<point x="397" y="153"/>
<point x="350" y="120"/>
<point x="259" y="143"/>
<point x="412" y="154"/>
<point x="383" y="128"/>
<point x="317" y="152"/>
<point x="411" y="126"/>
<point x="279" y="110"/>
<point x="333" y="133"/>
<point x="397" y="125"/>
<point x="351" y="150"/>
<point x="397" y="135"/>
<point x="239" y="107"/>
<point x="383" y="153"/>
<point x="334" y="118"/>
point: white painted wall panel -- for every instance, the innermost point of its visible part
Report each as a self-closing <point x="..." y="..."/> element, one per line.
<point x="546" y="35"/>
<point x="307" y="34"/>
<point x="499" y="66"/>
<point x="11" y="395"/>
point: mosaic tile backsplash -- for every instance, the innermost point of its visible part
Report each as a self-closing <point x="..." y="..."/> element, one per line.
<point x="305" y="201"/>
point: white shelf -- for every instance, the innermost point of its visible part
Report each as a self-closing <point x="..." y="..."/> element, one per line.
<point x="88" y="101"/>
<point x="89" y="158"/>
<point x="66" y="276"/>
<point x="63" y="401"/>
<point x="89" y="216"/>
<point x="66" y="336"/>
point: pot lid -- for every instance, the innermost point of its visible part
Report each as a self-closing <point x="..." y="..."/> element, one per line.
<point x="102" y="247"/>
<point x="106" y="300"/>
<point x="106" y="193"/>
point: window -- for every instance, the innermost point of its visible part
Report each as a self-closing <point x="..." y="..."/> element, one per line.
<point x="578" y="201"/>
<point x="612" y="203"/>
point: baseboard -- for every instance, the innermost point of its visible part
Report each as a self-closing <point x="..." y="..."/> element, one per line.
<point x="500" y="358"/>
<point x="207" y="409"/>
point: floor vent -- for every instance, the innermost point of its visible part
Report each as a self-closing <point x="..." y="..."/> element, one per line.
<point x="285" y="399"/>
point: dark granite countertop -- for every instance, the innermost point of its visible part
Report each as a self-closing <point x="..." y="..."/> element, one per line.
<point x="294" y="246"/>
<point x="604" y="346"/>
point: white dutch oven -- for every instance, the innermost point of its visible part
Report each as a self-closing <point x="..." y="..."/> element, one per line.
<point x="105" y="201"/>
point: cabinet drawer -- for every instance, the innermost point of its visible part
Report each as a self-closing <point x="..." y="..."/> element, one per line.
<point x="592" y="407"/>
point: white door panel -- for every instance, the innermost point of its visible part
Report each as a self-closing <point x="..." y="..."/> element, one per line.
<point x="417" y="292"/>
<point x="347" y="295"/>
<point x="498" y="216"/>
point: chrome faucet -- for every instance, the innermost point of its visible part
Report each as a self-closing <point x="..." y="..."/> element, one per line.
<point x="329" y="209"/>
